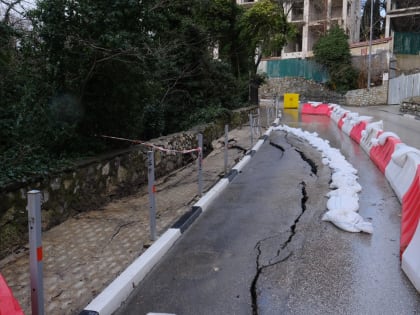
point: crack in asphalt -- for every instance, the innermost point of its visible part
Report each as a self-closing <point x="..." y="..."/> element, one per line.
<point x="278" y="146"/>
<point x="312" y="164"/>
<point x="260" y="267"/>
<point x="293" y="227"/>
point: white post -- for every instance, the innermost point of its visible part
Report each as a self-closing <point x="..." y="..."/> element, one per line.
<point x="35" y="252"/>
<point x="226" y="148"/>
<point x="251" y="122"/>
<point x="370" y="44"/>
<point x="152" y="192"/>
<point x="200" y="164"/>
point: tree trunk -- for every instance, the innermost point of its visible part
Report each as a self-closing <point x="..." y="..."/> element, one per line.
<point x="253" y="92"/>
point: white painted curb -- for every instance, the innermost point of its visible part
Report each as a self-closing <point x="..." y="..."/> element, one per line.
<point x="118" y="291"/>
<point x="258" y="145"/>
<point x="207" y="199"/>
<point x="242" y="163"/>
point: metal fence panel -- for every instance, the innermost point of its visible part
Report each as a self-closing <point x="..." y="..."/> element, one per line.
<point x="403" y="87"/>
<point x="406" y="43"/>
<point x="305" y="68"/>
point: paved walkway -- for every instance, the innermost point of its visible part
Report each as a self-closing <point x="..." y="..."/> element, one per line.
<point x="86" y="252"/>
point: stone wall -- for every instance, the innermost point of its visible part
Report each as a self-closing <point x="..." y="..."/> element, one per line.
<point x="311" y="91"/>
<point x="94" y="182"/>
<point x="363" y="97"/>
<point x="411" y="106"/>
<point x="308" y="90"/>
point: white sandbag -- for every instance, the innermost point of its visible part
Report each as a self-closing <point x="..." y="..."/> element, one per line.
<point x="343" y="202"/>
<point x="348" y="221"/>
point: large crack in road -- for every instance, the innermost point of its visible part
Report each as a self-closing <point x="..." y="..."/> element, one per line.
<point x="279" y="257"/>
<point x="282" y="253"/>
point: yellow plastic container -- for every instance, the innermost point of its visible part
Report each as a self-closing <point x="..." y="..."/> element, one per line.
<point x="291" y="100"/>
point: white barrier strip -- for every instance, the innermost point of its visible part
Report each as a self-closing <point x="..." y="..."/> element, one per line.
<point x="207" y="199"/>
<point x="117" y="292"/>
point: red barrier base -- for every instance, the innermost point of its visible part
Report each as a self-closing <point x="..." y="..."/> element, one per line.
<point x="356" y="132"/>
<point x="410" y="212"/>
<point x="321" y="109"/>
<point x="381" y="154"/>
<point x="8" y="304"/>
<point x="341" y="122"/>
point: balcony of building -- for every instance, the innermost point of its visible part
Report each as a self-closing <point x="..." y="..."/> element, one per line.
<point x="296" y="12"/>
<point x="336" y="9"/>
<point x="246" y="2"/>
<point x="318" y="11"/>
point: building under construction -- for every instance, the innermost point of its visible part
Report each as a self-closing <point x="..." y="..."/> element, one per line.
<point x="313" y="18"/>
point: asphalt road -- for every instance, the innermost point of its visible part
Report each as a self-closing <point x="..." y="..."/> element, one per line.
<point x="262" y="248"/>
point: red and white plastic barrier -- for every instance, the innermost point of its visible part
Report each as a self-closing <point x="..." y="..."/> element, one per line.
<point x="381" y="152"/>
<point x="371" y="132"/>
<point x="410" y="214"/>
<point x="354" y="120"/>
<point x="348" y="122"/>
<point x="8" y="304"/>
<point x="340" y="122"/>
<point x="316" y="108"/>
<point x="359" y="126"/>
<point x="411" y="259"/>
<point x="338" y="113"/>
<point x="402" y="168"/>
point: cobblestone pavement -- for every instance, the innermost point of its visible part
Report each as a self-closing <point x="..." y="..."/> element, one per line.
<point x="86" y="252"/>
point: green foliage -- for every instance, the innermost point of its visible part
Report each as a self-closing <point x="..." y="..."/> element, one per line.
<point x="265" y="28"/>
<point x="265" y="25"/>
<point x="333" y="52"/>
<point x="123" y="68"/>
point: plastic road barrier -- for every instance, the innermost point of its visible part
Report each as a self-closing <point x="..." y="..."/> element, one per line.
<point x="356" y="132"/>
<point x="316" y="109"/>
<point x="372" y="131"/>
<point x="410" y="214"/>
<point x="8" y="304"/>
<point x="348" y="122"/>
<point x="291" y="100"/>
<point x="402" y="168"/>
<point x="340" y="122"/>
<point x="338" y="113"/>
<point x="411" y="260"/>
<point x="381" y="154"/>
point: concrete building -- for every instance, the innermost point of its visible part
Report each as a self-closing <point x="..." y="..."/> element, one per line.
<point x="403" y="25"/>
<point x="402" y="16"/>
<point x="313" y="18"/>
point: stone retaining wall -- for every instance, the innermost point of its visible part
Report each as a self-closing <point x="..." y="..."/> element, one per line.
<point x="377" y="95"/>
<point x="311" y="91"/>
<point x="308" y="90"/>
<point x="94" y="182"/>
<point x="411" y="106"/>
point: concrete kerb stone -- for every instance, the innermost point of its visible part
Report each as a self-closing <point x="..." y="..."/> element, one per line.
<point x="109" y="300"/>
<point x="118" y="291"/>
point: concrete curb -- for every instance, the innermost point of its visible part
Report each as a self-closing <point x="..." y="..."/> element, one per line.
<point x="109" y="300"/>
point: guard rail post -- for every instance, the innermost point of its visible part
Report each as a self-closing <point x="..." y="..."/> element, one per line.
<point x="35" y="252"/>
